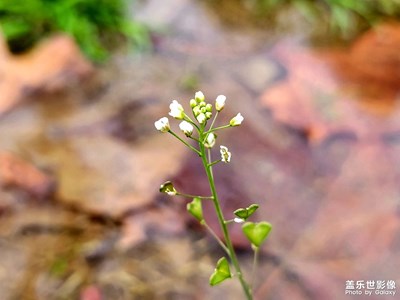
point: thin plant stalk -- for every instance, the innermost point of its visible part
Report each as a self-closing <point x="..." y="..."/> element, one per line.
<point x="255" y="263"/>
<point x="221" y="220"/>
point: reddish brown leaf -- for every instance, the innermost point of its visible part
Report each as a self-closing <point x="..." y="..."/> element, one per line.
<point x="49" y="66"/>
<point x="16" y="172"/>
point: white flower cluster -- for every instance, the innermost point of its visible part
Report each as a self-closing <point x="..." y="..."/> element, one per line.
<point x="202" y="112"/>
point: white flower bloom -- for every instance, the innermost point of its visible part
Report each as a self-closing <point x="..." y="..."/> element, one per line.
<point x="237" y="120"/>
<point x="225" y="154"/>
<point x="186" y="128"/>
<point x="199" y="96"/>
<point x="220" y="102"/>
<point x="201" y="118"/>
<point x="176" y="110"/>
<point x="210" y="141"/>
<point x="162" y="124"/>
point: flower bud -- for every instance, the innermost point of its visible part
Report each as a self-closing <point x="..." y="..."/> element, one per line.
<point x="209" y="107"/>
<point x="210" y="141"/>
<point x="168" y="188"/>
<point x="208" y="115"/>
<point x="162" y="124"/>
<point x="176" y="110"/>
<point x="220" y="102"/>
<point x="192" y="103"/>
<point x="196" y="111"/>
<point x="186" y="128"/>
<point x="199" y="96"/>
<point x="201" y="118"/>
<point x="237" y="120"/>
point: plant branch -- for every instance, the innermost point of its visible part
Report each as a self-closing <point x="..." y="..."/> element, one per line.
<point x="191" y="147"/>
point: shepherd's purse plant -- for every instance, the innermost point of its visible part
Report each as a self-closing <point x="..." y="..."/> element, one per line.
<point x="200" y="128"/>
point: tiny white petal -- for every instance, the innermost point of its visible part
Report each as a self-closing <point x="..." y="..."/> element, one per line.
<point x="210" y="142"/>
<point x="199" y="96"/>
<point x="162" y="124"/>
<point x="225" y="154"/>
<point x="201" y="118"/>
<point x="176" y="110"/>
<point x="220" y="102"/>
<point x="238" y="220"/>
<point x="237" y="120"/>
<point x="186" y="128"/>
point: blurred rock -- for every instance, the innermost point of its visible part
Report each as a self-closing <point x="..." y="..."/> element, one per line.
<point x="119" y="178"/>
<point x="153" y="221"/>
<point x="18" y="173"/>
<point x="52" y="65"/>
<point x="91" y="292"/>
<point x="327" y="91"/>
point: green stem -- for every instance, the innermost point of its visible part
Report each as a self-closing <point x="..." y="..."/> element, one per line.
<point x="188" y="119"/>
<point x="213" y="121"/>
<point x="221" y="220"/>
<point x="214" y="162"/>
<point x="191" y="147"/>
<point x="218" y="128"/>
<point x="255" y="263"/>
<point x="193" y="196"/>
<point x="221" y="243"/>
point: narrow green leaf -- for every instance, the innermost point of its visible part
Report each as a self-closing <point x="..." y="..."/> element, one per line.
<point x="245" y="213"/>
<point x="195" y="209"/>
<point x="221" y="272"/>
<point x="256" y="232"/>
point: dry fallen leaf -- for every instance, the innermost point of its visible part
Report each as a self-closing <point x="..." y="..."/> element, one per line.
<point x="51" y="65"/>
<point x="16" y="172"/>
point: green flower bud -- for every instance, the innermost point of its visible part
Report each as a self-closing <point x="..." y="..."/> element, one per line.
<point x="196" y="110"/>
<point x="168" y="188"/>
<point x="199" y="96"/>
<point x="192" y="103"/>
<point x="237" y="120"/>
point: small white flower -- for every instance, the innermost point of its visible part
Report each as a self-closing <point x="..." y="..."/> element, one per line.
<point x="176" y="110"/>
<point x="225" y="154"/>
<point x="237" y="120"/>
<point x="210" y="141"/>
<point x="186" y="128"/>
<point x="220" y="102"/>
<point x="162" y="124"/>
<point x="201" y="118"/>
<point x="199" y="96"/>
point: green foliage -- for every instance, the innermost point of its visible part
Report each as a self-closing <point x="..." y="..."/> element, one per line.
<point x="221" y="272"/>
<point x="96" y="25"/>
<point x="245" y="213"/>
<point x="342" y="18"/>
<point x="256" y="233"/>
<point x="195" y="209"/>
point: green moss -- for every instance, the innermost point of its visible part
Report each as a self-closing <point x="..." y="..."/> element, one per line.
<point x="96" y="25"/>
<point x="335" y="18"/>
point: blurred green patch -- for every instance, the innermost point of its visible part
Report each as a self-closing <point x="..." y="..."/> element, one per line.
<point x="59" y="266"/>
<point x="335" y="18"/>
<point x="98" y="26"/>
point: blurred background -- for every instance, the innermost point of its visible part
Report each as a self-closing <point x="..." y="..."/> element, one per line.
<point x="81" y="84"/>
